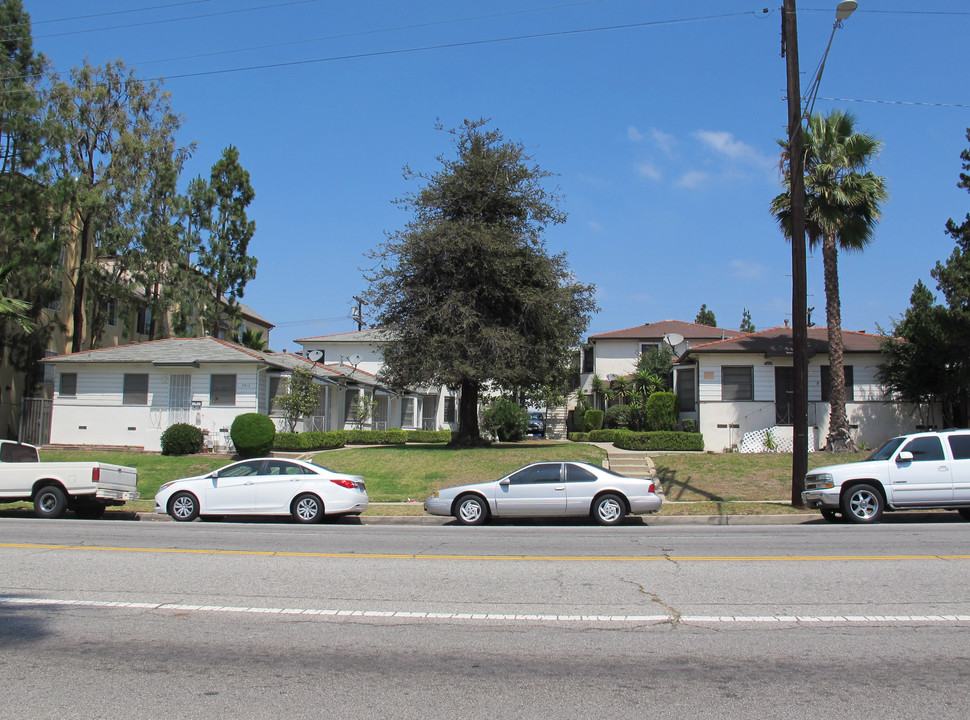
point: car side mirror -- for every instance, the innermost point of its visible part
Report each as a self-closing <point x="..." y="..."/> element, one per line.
<point x="904" y="456"/>
<point x="504" y="481"/>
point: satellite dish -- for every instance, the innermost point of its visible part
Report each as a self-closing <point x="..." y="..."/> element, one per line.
<point x="355" y="360"/>
<point x="673" y="339"/>
<point x="314" y="355"/>
<point x="611" y="377"/>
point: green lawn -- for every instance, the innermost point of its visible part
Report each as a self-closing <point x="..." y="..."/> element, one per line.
<point x="705" y="483"/>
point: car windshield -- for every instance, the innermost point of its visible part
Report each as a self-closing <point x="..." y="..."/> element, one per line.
<point x="886" y="450"/>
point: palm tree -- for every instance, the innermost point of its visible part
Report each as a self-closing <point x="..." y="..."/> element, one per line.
<point x="253" y="339"/>
<point x="842" y="206"/>
<point x="12" y="308"/>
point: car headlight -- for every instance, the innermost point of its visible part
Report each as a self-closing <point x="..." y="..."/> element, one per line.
<point x="819" y="481"/>
<point x="168" y="484"/>
<point x="434" y="494"/>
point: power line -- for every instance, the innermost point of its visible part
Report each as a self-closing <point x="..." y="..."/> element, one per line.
<point x="115" y="12"/>
<point x="445" y="46"/>
<point x="897" y="102"/>
<point x="414" y="26"/>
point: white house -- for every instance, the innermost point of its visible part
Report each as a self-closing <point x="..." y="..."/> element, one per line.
<point x="739" y="390"/>
<point x="429" y="408"/>
<point x="615" y="354"/>
<point x="128" y="395"/>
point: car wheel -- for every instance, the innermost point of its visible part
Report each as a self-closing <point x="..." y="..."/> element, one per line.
<point x="964" y="513"/>
<point x="862" y="504"/>
<point x="832" y="515"/>
<point x="471" y="510"/>
<point x="307" y="509"/>
<point x="50" y="502"/>
<point x="89" y="509"/>
<point x="609" y="510"/>
<point x="183" y="507"/>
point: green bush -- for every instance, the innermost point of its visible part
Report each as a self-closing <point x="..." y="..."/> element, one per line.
<point x="578" y="436"/>
<point x="601" y="435"/>
<point x="660" y="440"/>
<point x="181" y="439"/>
<point x="298" y="442"/>
<point x="689" y="425"/>
<point x="428" y="436"/>
<point x="594" y="420"/>
<point x="507" y="420"/>
<point x="252" y="434"/>
<point x="618" y="416"/>
<point x="375" y="437"/>
<point x="661" y="411"/>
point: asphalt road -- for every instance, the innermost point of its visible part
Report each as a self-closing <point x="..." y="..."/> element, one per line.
<point x="248" y="620"/>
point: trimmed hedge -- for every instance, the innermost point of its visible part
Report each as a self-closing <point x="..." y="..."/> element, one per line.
<point x="252" y="434"/>
<point x="661" y="411"/>
<point x="579" y="437"/>
<point x="376" y="437"/>
<point x="296" y="442"/>
<point x="593" y="420"/>
<point x="689" y="425"/>
<point x="659" y="440"/>
<point x="604" y="435"/>
<point x="428" y="436"/>
<point x="181" y="439"/>
<point x="618" y="416"/>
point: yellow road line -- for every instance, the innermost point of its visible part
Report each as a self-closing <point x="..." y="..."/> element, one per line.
<point x="395" y="556"/>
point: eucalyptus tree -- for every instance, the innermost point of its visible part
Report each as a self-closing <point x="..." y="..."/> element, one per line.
<point x="467" y="291"/>
<point x="112" y="132"/>
<point x="842" y="207"/>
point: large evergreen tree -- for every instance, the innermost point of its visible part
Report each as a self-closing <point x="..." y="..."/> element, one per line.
<point x="222" y="232"/>
<point x="842" y="206"/>
<point x="705" y="317"/>
<point x="466" y="289"/>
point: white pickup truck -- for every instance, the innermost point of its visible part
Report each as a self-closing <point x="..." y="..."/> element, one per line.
<point x="87" y="488"/>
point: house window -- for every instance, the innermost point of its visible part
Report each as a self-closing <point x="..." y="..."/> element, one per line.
<point x="274" y="393"/>
<point x="587" y="358"/>
<point x="407" y="412"/>
<point x="450" y="409"/>
<point x="135" y="389"/>
<point x="737" y="382"/>
<point x="685" y="389"/>
<point x="647" y="347"/>
<point x="144" y="323"/>
<point x="111" y="312"/>
<point x="827" y="383"/>
<point x="68" y="386"/>
<point x="222" y="390"/>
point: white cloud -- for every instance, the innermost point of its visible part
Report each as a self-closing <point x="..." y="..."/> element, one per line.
<point x="594" y="226"/>
<point x="649" y="170"/>
<point x="693" y="179"/>
<point x="664" y="141"/>
<point x="633" y="135"/>
<point x="727" y="145"/>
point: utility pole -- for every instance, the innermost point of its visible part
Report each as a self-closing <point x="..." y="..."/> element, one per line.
<point x="799" y="281"/>
<point x="357" y="314"/>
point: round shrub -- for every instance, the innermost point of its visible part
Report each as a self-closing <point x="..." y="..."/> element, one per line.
<point x="252" y="434"/>
<point x="618" y="416"/>
<point x="181" y="439"/>
<point x="594" y="420"/>
<point x="507" y="419"/>
<point x="661" y="411"/>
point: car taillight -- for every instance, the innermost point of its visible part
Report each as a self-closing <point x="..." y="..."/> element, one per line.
<point x="349" y="484"/>
<point x="96" y="474"/>
<point x="653" y="488"/>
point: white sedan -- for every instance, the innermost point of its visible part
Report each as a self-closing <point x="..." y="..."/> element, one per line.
<point x="549" y="489"/>
<point x="264" y="486"/>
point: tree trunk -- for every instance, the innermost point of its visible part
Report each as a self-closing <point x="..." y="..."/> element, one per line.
<point x="838" y="439"/>
<point x="468" y="430"/>
<point x="80" y="285"/>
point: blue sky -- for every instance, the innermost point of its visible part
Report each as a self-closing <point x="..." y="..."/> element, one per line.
<point x="659" y="120"/>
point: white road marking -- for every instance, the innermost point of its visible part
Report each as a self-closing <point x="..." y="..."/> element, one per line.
<point x="507" y="617"/>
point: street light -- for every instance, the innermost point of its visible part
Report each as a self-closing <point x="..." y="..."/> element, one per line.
<point x="796" y="171"/>
<point x="844" y="10"/>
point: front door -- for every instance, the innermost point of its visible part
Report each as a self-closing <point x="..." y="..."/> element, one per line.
<point x="927" y="478"/>
<point x="784" y="395"/>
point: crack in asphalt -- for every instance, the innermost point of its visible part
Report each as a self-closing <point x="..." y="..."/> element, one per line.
<point x="674" y="614"/>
